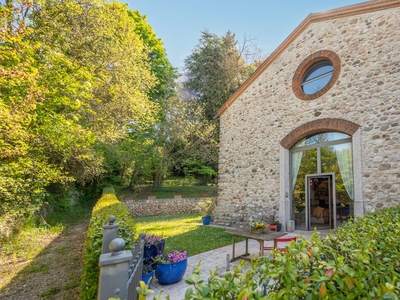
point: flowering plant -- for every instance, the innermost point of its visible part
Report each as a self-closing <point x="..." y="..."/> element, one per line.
<point x="152" y="239"/>
<point x="175" y="256"/>
<point x="257" y="225"/>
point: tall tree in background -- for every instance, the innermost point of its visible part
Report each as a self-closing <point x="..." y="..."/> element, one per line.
<point x="213" y="72"/>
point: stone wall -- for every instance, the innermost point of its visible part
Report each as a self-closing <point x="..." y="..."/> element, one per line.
<point x="162" y="206"/>
<point x="366" y="93"/>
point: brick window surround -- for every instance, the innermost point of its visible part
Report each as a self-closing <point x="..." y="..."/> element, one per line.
<point x="317" y="126"/>
<point x="306" y="64"/>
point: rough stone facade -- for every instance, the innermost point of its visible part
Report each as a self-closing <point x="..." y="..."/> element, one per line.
<point x="261" y="121"/>
<point x="162" y="206"/>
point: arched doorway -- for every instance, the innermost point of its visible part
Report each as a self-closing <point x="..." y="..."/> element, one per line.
<point x="320" y="174"/>
<point x="322" y="180"/>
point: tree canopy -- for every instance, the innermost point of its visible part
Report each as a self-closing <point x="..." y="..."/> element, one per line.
<point x="74" y="76"/>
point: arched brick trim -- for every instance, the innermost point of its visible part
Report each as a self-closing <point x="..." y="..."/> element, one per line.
<point x="306" y="64"/>
<point x="320" y="125"/>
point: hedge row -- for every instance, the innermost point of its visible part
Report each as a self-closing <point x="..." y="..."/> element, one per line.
<point x="106" y="206"/>
<point x="361" y="260"/>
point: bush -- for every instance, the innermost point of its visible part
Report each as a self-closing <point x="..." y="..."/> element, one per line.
<point x="107" y="205"/>
<point x="206" y="207"/>
<point x="359" y="261"/>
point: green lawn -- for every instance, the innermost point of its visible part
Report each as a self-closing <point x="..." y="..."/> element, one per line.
<point x="187" y="187"/>
<point x="184" y="232"/>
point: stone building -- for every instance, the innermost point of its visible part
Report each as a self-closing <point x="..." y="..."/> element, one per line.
<point x="313" y="136"/>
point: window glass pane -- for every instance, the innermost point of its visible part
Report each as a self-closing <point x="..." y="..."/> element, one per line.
<point x="317" y="77"/>
<point x="302" y="163"/>
<point x="321" y="138"/>
<point x="318" y="70"/>
<point x="315" y="86"/>
<point x="337" y="159"/>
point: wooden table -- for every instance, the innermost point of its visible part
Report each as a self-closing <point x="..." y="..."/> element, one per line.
<point x="267" y="235"/>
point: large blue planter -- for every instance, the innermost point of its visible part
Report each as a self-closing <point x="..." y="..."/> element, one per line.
<point x="151" y="250"/>
<point x="206" y="220"/>
<point x="169" y="272"/>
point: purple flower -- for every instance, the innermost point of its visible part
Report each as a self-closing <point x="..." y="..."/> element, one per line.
<point x="175" y="256"/>
<point x="152" y="239"/>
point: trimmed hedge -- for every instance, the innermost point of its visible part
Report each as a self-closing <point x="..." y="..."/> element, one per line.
<point x="106" y="206"/>
<point x="361" y="260"/>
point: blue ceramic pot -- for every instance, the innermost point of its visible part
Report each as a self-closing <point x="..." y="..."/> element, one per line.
<point x="170" y="272"/>
<point x="146" y="277"/>
<point x="151" y="250"/>
<point x="206" y="220"/>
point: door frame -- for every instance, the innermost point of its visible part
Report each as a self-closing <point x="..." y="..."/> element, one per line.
<point x="332" y="195"/>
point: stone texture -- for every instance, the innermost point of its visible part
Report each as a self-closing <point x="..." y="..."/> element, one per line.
<point x="366" y="94"/>
<point x="162" y="206"/>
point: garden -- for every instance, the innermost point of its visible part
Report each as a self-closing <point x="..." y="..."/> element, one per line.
<point x="358" y="261"/>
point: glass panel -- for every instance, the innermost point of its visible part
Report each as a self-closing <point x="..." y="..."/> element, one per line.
<point x="318" y="70"/>
<point x="317" y="77"/>
<point x="338" y="159"/>
<point x="319" y="193"/>
<point x="308" y="165"/>
<point x="321" y="138"/>
<point x="315" y="86"/>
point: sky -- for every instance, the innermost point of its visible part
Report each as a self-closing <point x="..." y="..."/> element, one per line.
<point x="178" y="23"/>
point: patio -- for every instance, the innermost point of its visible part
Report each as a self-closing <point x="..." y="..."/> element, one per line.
<point x="211" y="260"/>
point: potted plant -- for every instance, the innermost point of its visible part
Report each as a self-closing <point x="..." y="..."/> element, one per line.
<point x="147" y="273"/>
<point x="257" y="227"/>
<point x="206" y="207"/>
<point x="171" y="268"/>
<point x="153" y="246"/>
<point x="278" y="225"/>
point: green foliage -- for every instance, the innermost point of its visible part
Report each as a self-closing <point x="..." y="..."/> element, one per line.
<point x="73" y="76"/>
<point x="206" y="207"/>
<point x="213" y="71"/>
<point x="359" y="261"/>
<point x="106" y="206"/>
<point x="143" y="290"/>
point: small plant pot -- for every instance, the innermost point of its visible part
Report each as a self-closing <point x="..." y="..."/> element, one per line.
<point x="206" y="220"/>
<point x="278" y="227"/>
<point x="151" y="251"/>
<point x="148" y="276"/>
<point x="170" y="272"/>
<point x="256" y="231"/>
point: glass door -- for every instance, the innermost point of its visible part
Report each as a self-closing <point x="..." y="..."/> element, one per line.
<point x="320" y="201"/>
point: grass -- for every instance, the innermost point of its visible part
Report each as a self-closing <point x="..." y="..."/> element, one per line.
<point x="51" y="291"/>
<point x="184" y="232"/>
<point x="187" y="187"/>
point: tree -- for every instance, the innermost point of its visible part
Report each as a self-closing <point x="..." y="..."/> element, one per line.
<point x="73" y="76"/>
<point x="214" y="71"/>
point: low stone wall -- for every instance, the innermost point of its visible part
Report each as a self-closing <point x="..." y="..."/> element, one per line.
<point x="161" y="206"/>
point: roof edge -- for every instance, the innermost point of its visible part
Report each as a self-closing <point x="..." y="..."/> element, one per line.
<point x="345" y="11"/>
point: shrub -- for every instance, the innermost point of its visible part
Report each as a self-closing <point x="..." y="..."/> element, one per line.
<point x="361" y="260"/>
<point x="206" y="207"/>
<point x="107" y="205"/>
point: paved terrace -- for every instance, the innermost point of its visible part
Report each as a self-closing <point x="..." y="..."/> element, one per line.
<point x="213" y="259"/>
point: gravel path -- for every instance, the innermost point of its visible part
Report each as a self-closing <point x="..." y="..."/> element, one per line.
<point x="53" y="274"/>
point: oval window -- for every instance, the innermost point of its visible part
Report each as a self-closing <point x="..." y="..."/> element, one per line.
<point x="317" y="77"/>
